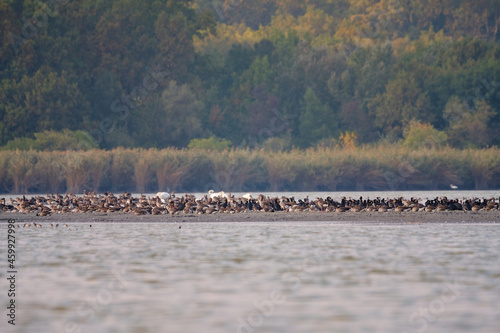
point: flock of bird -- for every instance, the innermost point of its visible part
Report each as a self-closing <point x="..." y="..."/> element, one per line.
<point x="38" y="225"/>
<point x="213" y="203"/>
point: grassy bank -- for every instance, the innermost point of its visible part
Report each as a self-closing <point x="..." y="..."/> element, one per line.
<point x="140" y="170"/>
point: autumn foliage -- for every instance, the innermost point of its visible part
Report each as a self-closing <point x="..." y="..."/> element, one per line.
<point x="159" y="74"/>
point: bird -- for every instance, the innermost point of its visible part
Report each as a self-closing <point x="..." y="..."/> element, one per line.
<point x="399" y="209"/>
<point x="44" y="213"/>
<point x="453" y="187"/>
<point x="221" y="202"/>
<point x="163" y="196"/>
<point x="220" y="194"/>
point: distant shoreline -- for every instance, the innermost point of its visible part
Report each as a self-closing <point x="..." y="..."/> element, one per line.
<point x="387" y="218"/>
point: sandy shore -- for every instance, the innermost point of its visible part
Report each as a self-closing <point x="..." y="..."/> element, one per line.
<point x="391" y="217"/>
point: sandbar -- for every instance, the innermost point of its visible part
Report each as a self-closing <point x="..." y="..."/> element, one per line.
<point x="389" y="217"/>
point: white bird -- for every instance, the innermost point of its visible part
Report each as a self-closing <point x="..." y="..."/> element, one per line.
<point x="247" y="196"/>
<point x="220" y="194"/>
<point x="163" y="196"/>
<point x="453" y="187"/>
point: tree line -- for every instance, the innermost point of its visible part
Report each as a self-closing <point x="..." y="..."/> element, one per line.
<point x="264" y="73"/>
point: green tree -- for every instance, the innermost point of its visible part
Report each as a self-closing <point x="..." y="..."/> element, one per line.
<point x="423" y="136"/>
<point x="468" y="126"/>
<point x="402" y="102"/>
<point x="172" y="120"/>
<point x="251" y="13"/>
<point x="212" y="143"/>
<point x="480" y="19"/>
<point x="259" y="72"/>
<point x="45" y="101"/>
<point x="316" y="121"/>
<point x="52" y="140"/>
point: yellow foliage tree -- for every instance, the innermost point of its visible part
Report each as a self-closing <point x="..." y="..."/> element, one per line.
<point x="347" y="140"/>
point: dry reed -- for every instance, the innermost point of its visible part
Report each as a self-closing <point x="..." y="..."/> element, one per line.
<point x="51" y="169"/>
<point x="21" y="169"/>
<point x="143" y="168"/>
<point x="171" y="168"/>
<point x="122" y="168"/>
<point x="77" y="171"/>
<point x="365" y="168"/>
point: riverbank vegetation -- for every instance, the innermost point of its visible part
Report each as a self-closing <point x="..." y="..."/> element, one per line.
<point x="249" y="95"/>
<point x="198" y="170"/>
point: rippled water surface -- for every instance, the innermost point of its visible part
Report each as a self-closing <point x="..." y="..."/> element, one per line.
<point x="256" y="277"/>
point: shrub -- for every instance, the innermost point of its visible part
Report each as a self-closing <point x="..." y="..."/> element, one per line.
<point x="423" y="136"/>
<point x="212" y="143"/>
<point x="52" y="140"/>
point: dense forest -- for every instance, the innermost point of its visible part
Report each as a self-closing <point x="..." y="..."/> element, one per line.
<point x="260" y="73"/>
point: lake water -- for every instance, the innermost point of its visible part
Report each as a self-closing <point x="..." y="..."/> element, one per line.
<point x="255" y="277"/>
